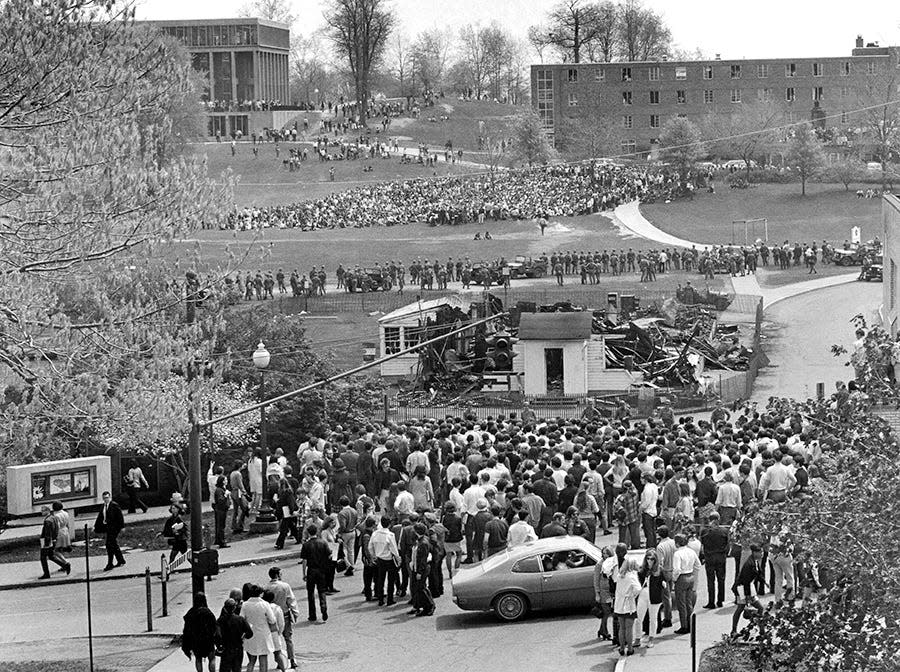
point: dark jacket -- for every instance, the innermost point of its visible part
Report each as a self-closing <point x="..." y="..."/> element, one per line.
<point x="341" y="486"/>
<point x="199" y="636"/>
<point x="115" y="520"/>
<point x="546" y="490"/>
<point x="715" y="544"/>
<point x="234" y="629"/>
<point x="365" y="472"/>
<point x="749" y="575"/>
<point x="706" y="492"/>
<point x="385" y="479"/>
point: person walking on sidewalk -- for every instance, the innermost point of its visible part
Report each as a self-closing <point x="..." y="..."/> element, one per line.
<point x="199" y="637"/>
<point x="239" y="498"/>
<point x="233" y="630"/>
<point x="175" y="531"/>
<point x="685" y="564"/>
<point x="49" y="533"/>
<point x="750" y="574"/>
<point x="285" y="600"/>
<point x="134" y="481"/>
<point x="715" y="544"/>
<point x="315" y="555"/>
<point x="111" y="521"/>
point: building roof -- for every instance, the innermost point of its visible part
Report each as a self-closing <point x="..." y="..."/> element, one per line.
<point x="414" y="309"/>
<point x="555" y="326"/>
<point x="231" y="21"/>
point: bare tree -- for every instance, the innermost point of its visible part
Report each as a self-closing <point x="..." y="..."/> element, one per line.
<point x="359" y="31"/>
<point x="538" y="38"/>
<point x="498" y="46"/>
<point x="400" y="63"/>
<point x="643" y="35"/>
<point x="429" y="57"/>
<point x="590" y="137"/>
<point x="573" y="26"/>
<point x="879" y="115"/>
<point x="312" y="77"/>
<point x="273" y="10"/>
<point x="603" y="48"/>
<point x="743" y="134"/>
<point x="473" y="57"/>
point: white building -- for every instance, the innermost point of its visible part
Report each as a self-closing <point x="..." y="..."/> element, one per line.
<point x="559" y="355"/>
<point x="406" y="327"/>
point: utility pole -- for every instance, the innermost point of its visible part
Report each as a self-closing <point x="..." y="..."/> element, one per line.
<point x="191" y="288"/>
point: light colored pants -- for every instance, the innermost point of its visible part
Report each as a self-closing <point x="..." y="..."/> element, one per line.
<point x="643" y="606"/>
<point x="784" y="571"/>
<point x="348" y="539"/>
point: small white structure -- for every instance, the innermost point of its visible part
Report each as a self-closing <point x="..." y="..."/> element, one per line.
<point x="560" y="356"/>
<point x="406" y="327"/>
<point x="77" y="482"/>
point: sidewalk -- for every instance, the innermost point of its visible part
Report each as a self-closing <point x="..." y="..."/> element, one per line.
<point x="749" y="284"/>
<point x="628" y="218"/>
<point x="254" y="549"/>
<point x="19" y="531"/>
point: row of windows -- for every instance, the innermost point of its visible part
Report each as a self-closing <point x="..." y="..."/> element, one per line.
<point x="735" y="71"/>
<point x="655" y="120"/>
<point x="709" y="96"/>
<point x="214" y="36"/>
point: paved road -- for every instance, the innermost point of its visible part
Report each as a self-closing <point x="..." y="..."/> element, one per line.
<point x="799" y="334"/>
<point x="354" y="638"/>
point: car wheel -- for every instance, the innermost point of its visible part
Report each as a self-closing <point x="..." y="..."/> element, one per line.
<point x="510" y="606"/>
<point x="845" y="261"/>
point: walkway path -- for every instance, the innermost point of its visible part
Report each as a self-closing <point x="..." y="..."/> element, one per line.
<point x="628" y="218"/>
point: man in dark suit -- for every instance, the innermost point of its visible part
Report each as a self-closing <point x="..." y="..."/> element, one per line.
<point x="111" y="521"/>
<point x="715" y="546"/>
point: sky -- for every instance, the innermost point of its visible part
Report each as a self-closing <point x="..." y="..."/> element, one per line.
<point x="758" y="29"/>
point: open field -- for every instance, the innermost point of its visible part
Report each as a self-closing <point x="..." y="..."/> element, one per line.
<point x="827" y="212"/>
<point x="292" y="248"/>
<point x="263" y="180"/>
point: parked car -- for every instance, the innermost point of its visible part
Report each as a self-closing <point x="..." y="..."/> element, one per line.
<point x="552" y="573"/>
<point x="526" y="267"/>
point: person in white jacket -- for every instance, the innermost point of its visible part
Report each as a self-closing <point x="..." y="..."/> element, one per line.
<point x="628" y="588"/>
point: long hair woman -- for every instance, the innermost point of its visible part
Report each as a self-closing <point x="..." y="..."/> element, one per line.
<point x="650" y="599"/>
<point x="628" y="588"/>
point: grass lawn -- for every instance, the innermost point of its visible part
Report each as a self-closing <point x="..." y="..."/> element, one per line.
<point x="461" y="128"/>
<point x="263" y="180"/>
<point x="290" y="248"/>
<point x="827" y="212"/>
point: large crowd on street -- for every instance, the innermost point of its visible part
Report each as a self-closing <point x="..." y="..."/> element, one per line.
<point x="404" y="506"/>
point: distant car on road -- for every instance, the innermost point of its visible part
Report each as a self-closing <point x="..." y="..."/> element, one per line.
<point x="552" y="573"/>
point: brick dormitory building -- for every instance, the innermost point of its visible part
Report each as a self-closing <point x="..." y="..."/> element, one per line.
<point x="639" y="97"/>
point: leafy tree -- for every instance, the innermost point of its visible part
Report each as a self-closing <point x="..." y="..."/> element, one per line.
<point x="846" y="170"/>
<point x="679" y="144"/>
<point x="805" y="154"/>
<point x="90" y="195"/>
<point x="359" y="31"/>
<point x="529" y="142"/>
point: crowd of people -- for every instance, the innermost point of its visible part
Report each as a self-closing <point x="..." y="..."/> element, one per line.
<point x="408" y="504"/>
<point x="590" y="267"/>
<point x="555" y="191"/>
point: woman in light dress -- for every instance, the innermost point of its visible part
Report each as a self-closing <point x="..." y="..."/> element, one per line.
<point x="260" y="617"/>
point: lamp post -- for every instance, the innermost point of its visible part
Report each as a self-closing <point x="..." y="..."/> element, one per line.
<point x="265" y="518"/>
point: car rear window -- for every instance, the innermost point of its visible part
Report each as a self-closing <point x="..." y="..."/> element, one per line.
<point x="495" y="561"/>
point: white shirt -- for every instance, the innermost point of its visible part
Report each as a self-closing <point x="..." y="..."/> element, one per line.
<point x="456" y="497"/>
<point x="405" y="502"/>
<point x="649" y="497"/>
<point x="685" y="561"/>
<point x="520" y="533"/>
<point x="471" y="497"/>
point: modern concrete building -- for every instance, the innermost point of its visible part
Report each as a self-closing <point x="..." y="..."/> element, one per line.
<point x="245" y="65"/>
<point x="639" y="97"/>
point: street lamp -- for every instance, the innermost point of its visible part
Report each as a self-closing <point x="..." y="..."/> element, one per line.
<point x="265" y="518"/>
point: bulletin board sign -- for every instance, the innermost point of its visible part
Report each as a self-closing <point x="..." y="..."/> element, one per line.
<point x="47" y="486"/>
